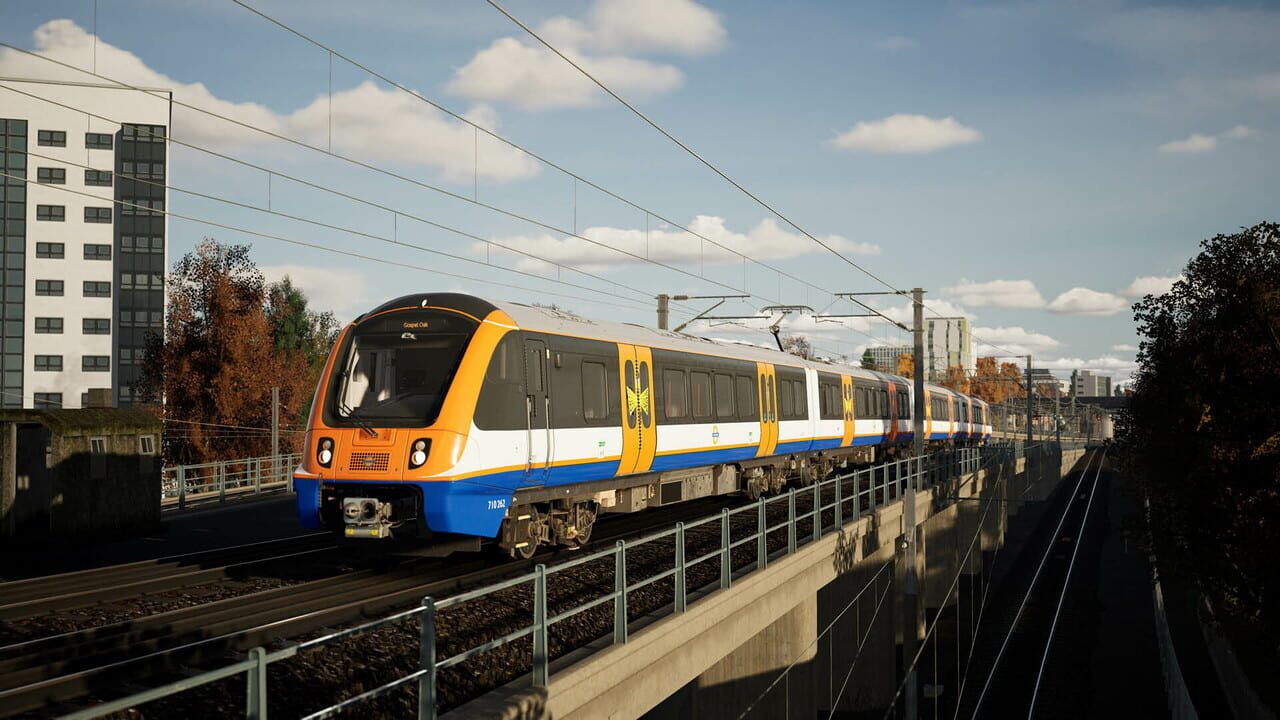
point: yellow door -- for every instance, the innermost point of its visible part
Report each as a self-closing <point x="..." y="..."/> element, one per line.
<point x="635" y="366"/>
<point x="768" y="387"/>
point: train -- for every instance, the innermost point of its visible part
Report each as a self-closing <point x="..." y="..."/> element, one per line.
<point x="447" y="416"/>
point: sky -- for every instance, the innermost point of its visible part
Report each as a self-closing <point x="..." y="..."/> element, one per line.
<point x="1035" y="166"/>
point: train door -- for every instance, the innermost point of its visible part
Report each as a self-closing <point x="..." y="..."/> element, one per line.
<point x="768" y="409"/>
<point x="953" y="417"/>
<point x="892" y="429"/>
<point x="928" y="416"/>
<point x="639" y="437"/>
<point x="846" y="400"/>
<point x="538" y="410"/>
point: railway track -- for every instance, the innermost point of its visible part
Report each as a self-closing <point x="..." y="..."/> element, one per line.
<point x="1032" y="644"/>
<point x="41" y="595"/>
<point x="42" y="673"/>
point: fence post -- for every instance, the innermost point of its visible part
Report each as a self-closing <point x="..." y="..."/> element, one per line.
<point x="222" y="481"/>
<point x="257" y="476"/>
<point x="256" y="700"/>
<point x="182" y="487"/>
<point x="762" y="544"/>
<point x="620" y="593"/>
<point x="817" y="509"/>
<point x="726" y="568"/>
<point x="839" y="519"/>
<point x="791" y="520"/>
<point x="886" y="482"/>
<point x="427" y="660"/>
<point x="540" y="626"/>
<point x="680" y="596"/>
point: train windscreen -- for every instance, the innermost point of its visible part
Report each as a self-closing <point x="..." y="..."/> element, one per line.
<point x="395" y="369"/>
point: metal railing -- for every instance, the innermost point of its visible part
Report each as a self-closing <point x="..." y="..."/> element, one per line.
<point x="843" y="499"/>
<point x="219" y="481"/>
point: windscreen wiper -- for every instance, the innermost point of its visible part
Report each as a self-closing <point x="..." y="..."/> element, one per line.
<point x="360" y="422"/>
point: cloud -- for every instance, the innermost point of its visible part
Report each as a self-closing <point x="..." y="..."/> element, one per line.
<point x="904" y="133"/>
<point x="511" y="70"/>
<point x="408" y="131"/>
<point x="1083" y="301"/>
<point x="997" y="293"/>
<point x="1196" y="143"/>
<point x="894" y="43"/>
<point x="1105" y="365"/>
<point x="342" y="291"/>
<point x="1124" y="347"/>
<point x="1149" y="285"/>
<point x="1238" y="132"/>
<point x="766" y="241"/>
<point x="1016" y="339"/>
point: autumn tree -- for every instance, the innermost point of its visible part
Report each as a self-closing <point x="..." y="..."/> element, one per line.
<point x="906" y="365"/>
<point x="956" y="379"/>
<point x="798" y="345"/>
<point x="1202" y="433"/>
<point x="221" y="354"/>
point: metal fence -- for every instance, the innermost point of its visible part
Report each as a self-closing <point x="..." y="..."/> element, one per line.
<point x="219" y="481"/>
<point x="844" y="499"/>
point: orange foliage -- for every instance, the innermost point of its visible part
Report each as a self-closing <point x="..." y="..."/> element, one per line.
<point x="906" y="365"/>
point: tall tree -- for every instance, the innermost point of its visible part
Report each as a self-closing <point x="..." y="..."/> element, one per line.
<point x="906" y="365"/>
<point x="297" y="329"/>
<point x="218" y="360"/>
<point x="1202" y="434"/>
<point x="868" y="362"/>
<point x="956" y="379"/>
<point x="798" y="345"/>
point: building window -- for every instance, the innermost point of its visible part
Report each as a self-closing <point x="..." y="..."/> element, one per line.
<point x="98" y="457"/>
<point x="141" y="206"/>
<point x="96" y="326"/>
<point x="142" y="244"/>
<point x="141" y="281"/>
<point x="97" y="215"/>
<point x="48" y="326"/>
<point x="144" y="133"/>
<point x="95" y="251"/>
<point x="48" y="401"/>
<point x="51" y="250"/>
<point x="147" y="444"/>
<point x="51" y="176"/>
<point x="51" y="138"/>
<point x="48" y="363"/>
<point x="51" y="213"/>
<point x="97" y="178"/>
<point x="143" y="170"/>
<point x="98" y="141"/>
<point x="97" y="288"/>
<point x="49" y="288"/>
<point x="95" y="363"/>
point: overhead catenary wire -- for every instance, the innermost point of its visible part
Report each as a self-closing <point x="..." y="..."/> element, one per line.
<point x="388" y="173"/>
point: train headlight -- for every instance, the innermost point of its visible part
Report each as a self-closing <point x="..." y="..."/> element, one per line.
<point x="418" y="453"/>
<point x="324" y="452"/>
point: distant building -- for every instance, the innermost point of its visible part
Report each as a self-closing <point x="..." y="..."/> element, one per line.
<point x="948" y="342"/>
<point x="1087" y="384"/>
<point x="886" y="356"/>
<point x="82" y="238"/>
<point x="1043" y="381"/>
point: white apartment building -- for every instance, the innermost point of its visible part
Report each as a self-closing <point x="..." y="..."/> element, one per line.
<point x="948" y="342"/>
<point x="84" y="238"/>
<point x="885" y="357"/>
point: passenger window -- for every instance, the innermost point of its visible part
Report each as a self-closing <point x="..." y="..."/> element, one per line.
<point x="746" y="397"/>
<point x="884" y="404"/>
<point x="700" y="387"/>
<point x="802" y="398"/>
<point x="724" y="396"/>
<point x="773" y="401"/>
<point x="673" y="394"/>
<point x="595" y="404"/>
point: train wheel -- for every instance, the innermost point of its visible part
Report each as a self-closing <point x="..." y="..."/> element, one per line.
<point x="584" y="522"/>
<point x="522" y="533"/>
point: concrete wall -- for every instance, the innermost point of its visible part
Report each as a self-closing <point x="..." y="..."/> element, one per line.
<point x="804" y="611"/>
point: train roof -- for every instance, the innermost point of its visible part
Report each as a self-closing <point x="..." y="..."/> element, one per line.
<point x="540" y="318"/>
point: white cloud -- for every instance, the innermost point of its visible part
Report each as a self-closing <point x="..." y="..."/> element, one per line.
<point x="765" y="241"/>
<point x="905" y="133"/>
<point x="1238" y="132"/>
<point x="1016" y="339"/>
<point x="1083" y="301"/>
<point x="1105" y="365"/>
<point x="514" y="71"/>
<point x="934" y="308"/>
<point x="997" y="293"/>
<point x="1124" y="347"/>
<point x="895" y="43"/>
<point x="1149" y="285"/>
<point x="408" y="130"/>
<point x="342" y="291"/>
<point x="1196" y="143"/>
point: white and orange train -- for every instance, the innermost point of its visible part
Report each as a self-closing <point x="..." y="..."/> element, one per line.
<point x="445" y="414"/>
